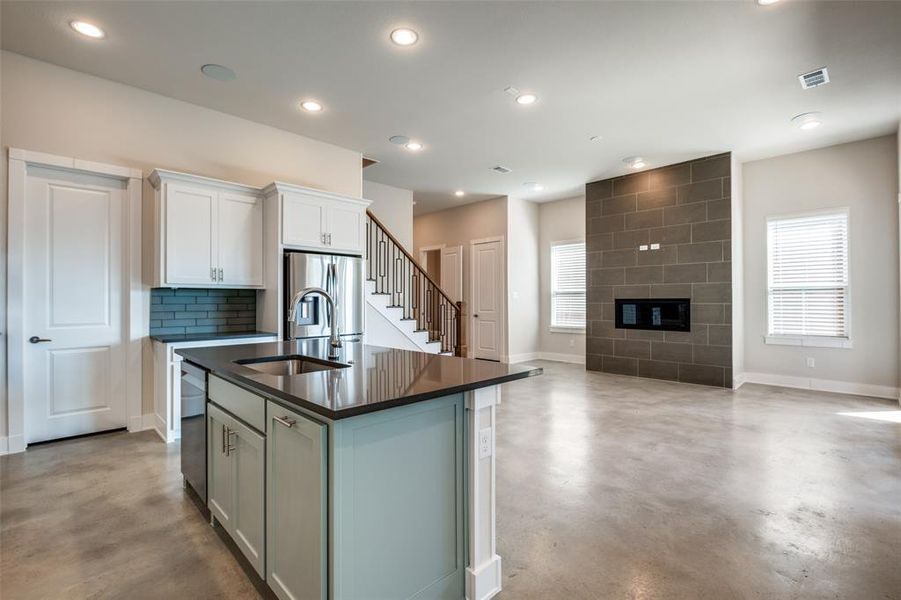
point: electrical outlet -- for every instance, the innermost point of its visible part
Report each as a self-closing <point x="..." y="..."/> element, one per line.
<point x="811" y="363"/>
<point x="485" y="442"/>
<point x="655" y="246"/>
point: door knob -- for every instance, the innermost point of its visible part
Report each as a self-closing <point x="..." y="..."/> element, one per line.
<point x="36" y="340"/>
<point x="476" y="316"/>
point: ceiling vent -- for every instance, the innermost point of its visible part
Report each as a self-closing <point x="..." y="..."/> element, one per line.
<point x="501" y="169"/>
<point x="814" y="78"/>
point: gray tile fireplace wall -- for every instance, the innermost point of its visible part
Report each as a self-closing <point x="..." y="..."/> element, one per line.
<point x="686" y="208"/>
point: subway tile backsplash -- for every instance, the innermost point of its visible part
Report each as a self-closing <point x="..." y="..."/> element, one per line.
<point x="176" y="311"/>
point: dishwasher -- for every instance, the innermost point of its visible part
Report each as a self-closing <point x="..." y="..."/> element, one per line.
<point x="193" y="428"/>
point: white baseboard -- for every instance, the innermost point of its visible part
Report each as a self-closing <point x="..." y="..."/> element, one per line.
<point x="524" y="357"/>
<point x="12" y="444"/>
<point x="576" y="359"/>
<point x="821" y="385"/>
<point x="484" y="581"/>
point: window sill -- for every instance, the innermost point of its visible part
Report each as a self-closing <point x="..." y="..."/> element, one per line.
<point x="556" y="329"/>
<point x="808" y="341"/>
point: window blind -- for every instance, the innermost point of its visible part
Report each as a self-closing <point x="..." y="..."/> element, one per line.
<point x="808" y="275"/>
<point x="568" y="285"/>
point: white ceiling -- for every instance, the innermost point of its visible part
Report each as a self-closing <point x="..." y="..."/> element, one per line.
<point x="669" y="81"/>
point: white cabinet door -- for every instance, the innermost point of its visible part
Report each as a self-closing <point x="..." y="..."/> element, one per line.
<point x="220" y="474"/>
<point x="303" y="221"/>
<point x="248" y="455"/>
<point x="346" y="227"/>
<point x="191" y="251"/>
<point x="240" y="260"/>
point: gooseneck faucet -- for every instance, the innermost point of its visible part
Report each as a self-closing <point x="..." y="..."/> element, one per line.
<point x="334" y="341"/>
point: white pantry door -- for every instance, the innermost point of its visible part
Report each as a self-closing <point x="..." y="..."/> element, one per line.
<point x="74" y="355"/>
<point x="487" y="296"/>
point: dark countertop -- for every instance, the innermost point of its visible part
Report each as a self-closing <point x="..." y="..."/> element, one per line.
<point x="203" y="337"/>
<point x="378" y="378"/>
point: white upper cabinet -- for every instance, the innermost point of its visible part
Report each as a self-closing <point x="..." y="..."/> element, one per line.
<point x="209" y="233"/>
<point x="317" y="220"/>
<point x="190" y="235"/>
<point x="240" y="239"/>
<point x="304" y="221"/>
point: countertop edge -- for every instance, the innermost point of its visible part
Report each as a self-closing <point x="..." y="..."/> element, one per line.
<point x="293" y="402"/>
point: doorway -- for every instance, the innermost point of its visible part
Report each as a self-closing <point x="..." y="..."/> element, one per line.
<point x="75" y="298"/>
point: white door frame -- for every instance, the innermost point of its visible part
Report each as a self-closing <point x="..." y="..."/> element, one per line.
<point x="422" y="254"/>
<point x="136" y="316"/>
<point x="503" y="304"/>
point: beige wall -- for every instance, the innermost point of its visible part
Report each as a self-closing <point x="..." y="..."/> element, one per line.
<point x="864" y="177"/>
<point x="563" y="220"/>
<point x="523" y="299"/>
<point x="458" y="226"/>
<point x="55" y="110"/>
<point x="392" y="206"/>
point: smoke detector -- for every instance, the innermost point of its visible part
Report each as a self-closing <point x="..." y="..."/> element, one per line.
<point x="814" y="78"/>
<point x="501" y="169"/>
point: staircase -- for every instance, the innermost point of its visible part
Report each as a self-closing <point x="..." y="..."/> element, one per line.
<point x="405" y="306"/>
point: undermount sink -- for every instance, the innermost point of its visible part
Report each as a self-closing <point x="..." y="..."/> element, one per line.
<point x="289" y="365"/>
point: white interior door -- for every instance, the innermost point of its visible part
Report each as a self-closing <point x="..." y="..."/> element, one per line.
<point x="74" y="362"/>
<point x="452" y="272"/>
<point x="240" y="239"/>
<point x="487" y="299"/>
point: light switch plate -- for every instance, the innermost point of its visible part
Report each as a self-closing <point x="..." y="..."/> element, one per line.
<point x="485" y="442"/>
<point x="655" y="246"/>
<point x="643" y="247"/>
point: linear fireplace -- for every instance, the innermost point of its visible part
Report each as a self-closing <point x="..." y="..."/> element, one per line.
<point x="658" y="314"/>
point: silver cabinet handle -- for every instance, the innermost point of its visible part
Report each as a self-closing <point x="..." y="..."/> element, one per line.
<point x="229" y="432"/>
<point x="220" y="273"/>
<point x="223" y="439"/>
<point x="286" y="421"/>
<point x="213" y="273"/>
<point x="322" y="237"/>
<point x="329" y="239"/>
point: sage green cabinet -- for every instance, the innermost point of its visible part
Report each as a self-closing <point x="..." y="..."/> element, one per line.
<point x="236" y="487"/>
<point x="297" y="505"/>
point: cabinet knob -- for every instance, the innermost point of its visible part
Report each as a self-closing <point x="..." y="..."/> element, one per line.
<point x="286" y="421"/>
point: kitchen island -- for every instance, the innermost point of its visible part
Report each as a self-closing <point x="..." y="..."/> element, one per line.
<point x="366" y="476"/>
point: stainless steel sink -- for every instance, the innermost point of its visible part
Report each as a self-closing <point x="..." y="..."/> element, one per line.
<point x="289" y="365"/>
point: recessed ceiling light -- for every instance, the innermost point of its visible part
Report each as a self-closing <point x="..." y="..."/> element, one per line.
<point x="534" y="186"/>
<point x="459" y="193"/>
<point x="218" y="72"/>
<point x="88" y="29"/>
<point x="404" y="36"/>
<point x="526" y="99"/>
<point x="413" y="146"/>
<point x="766" y="2"/>
<point x="635" y="162"/>
<point x="311" y="106"/>
<point x="399" y="140"/>
<point x="807" y="121"/>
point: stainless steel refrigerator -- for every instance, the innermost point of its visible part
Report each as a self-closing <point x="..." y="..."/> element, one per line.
<point x="341" y="277"/>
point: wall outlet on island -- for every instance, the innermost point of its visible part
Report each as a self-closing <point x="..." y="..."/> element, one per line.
<point x="485" y="442"/>
<point x="811" y="363"/>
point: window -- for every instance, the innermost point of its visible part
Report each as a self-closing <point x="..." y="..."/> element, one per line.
<point x="807" y="279"/>
<point x="568" y="285"/>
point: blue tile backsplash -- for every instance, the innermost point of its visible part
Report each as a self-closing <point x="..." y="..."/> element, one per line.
<point x="202" y="311"/>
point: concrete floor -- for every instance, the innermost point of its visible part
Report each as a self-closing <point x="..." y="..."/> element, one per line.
<point x="608" y="487"/>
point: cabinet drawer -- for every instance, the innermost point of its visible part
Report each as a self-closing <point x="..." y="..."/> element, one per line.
<point x="248" y="407"/>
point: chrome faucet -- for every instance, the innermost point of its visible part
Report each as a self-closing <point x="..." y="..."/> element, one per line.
<point x="334" y="341"/>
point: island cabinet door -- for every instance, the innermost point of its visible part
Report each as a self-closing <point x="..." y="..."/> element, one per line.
<point x="296" y="505"/>
<point x="237" y="483"/>
<point x="220" y="475"/>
